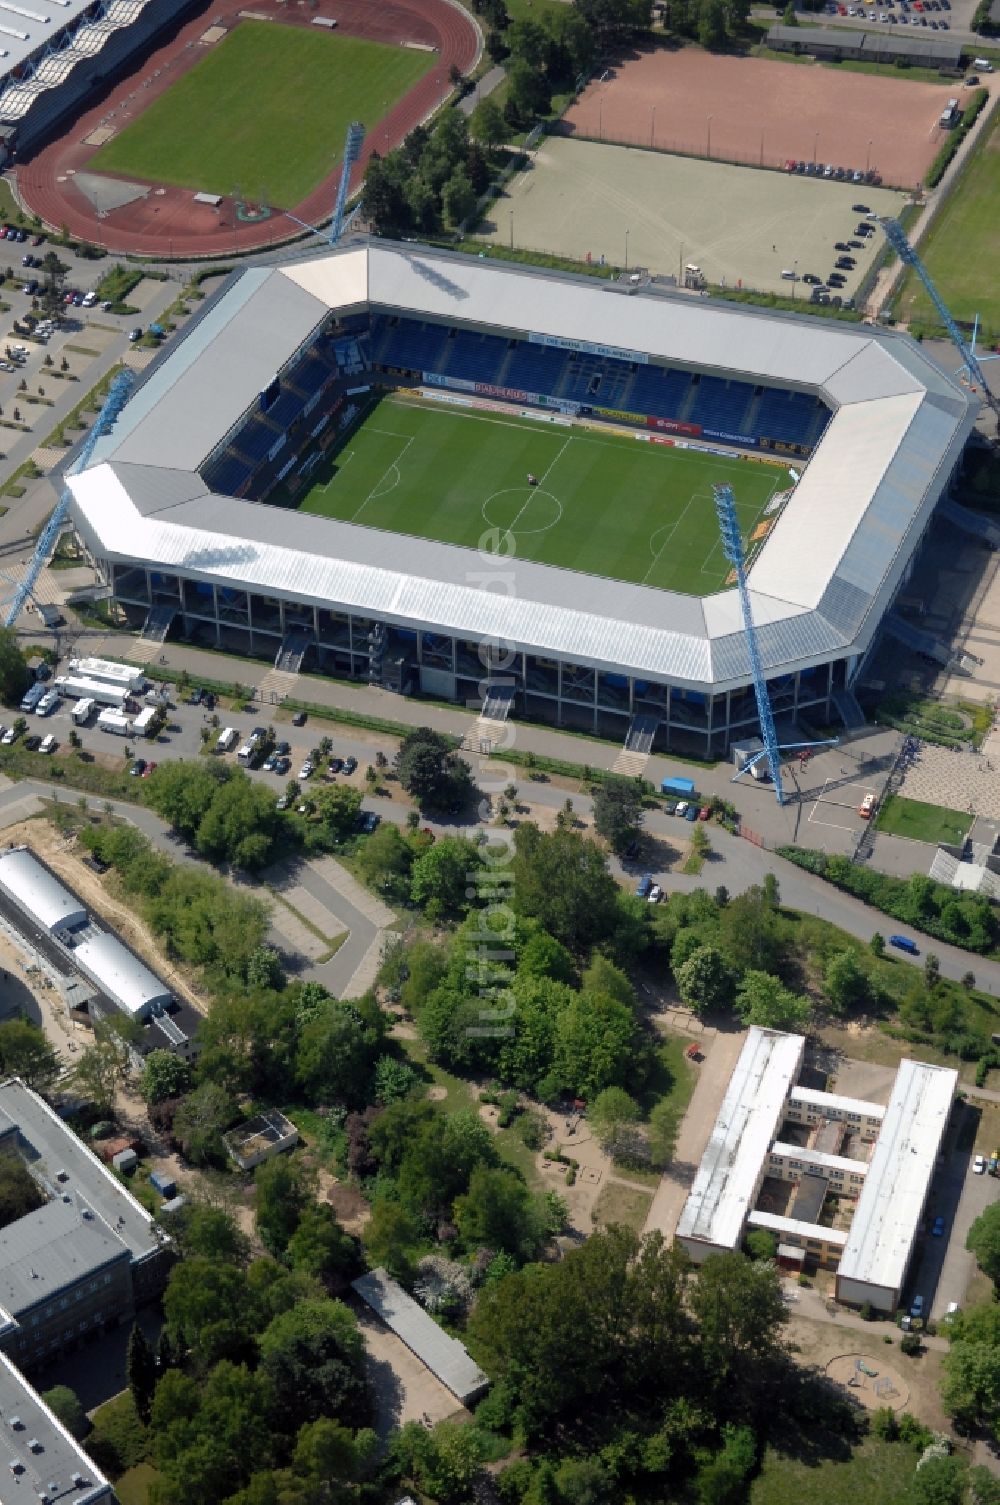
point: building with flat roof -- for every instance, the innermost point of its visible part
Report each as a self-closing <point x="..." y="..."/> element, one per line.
<point x="934" y="51"/>
<point x="39" y="1458"/>
<point x="888" y="1188"/>
<point x="261" y="1138"/>
<point x="732" y="1169"/>
<point x="29" y="885"/>
<point x="891" y="1206"/>
<point x="444" y="1356"/>
<point x="173" y="507"/>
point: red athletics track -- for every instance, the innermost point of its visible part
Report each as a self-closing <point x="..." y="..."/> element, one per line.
<point x="167" y="223"/>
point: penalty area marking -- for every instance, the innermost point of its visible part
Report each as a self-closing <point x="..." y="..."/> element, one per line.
<point x="379" y="490"/>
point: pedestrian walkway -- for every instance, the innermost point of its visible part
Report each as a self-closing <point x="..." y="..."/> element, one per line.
<point x="956" y="779"/>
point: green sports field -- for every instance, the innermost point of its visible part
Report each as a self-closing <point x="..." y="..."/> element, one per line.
<point x="962" y="247"/>
<point x="603" y="504"/>
<point x="266" y="111"/>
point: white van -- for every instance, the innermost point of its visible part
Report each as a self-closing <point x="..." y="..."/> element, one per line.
<point x="48" y="744"/>
<point x="983" y="64"/>
<point x="227" y="739"/>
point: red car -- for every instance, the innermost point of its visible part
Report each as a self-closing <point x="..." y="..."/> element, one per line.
<point x="148" y="770"/>
<point x="791" y="164"/>
<point x="704" y="812"/>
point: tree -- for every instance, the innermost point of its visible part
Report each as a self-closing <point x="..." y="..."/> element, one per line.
<point x="211" y="1232"/>
<point x="789" y="16"/>
<point x="311" y="1364"/>
<point x="983" y="1241"/>
<point x="562" y="880"/>
<point x="723" y="1479"/>
<point x="320" y="1246"/>
<point x="938" y="1481"/>
<point x="749" y="932"/>
<point x="445" y="875"/>
<point x="384" y="860"/>
<point x="68" y="1408"/>
<point x="740" y="1313"/>
<point x="618" y="811"/>
<point x="488" y="125"/>
<point x="283" y="1188"/>
<point x="877" y="944"/>
<point x="765" y="1001"/>
<point x="970" y="1387"/>
<point x="498" y="1212"/>
<point x="25" y="1052"/>
<point x="458" y="198"/>
<point x="15" y="676"/>
<point x="444" y="1462"/>
<point x="102" y="1067"/>
<point x="664" y="1122"/>
<point x="613" y="1116"/>
<point x="140" y="1372"/>
<point x="337" y="1050"/>
<point x="845" y="982"/>
<point x="704" y="980"/>
<point x="208" y="1311"/>
<point x="164" y="1075"/>
<point x="200" y="1122"/>
<point x="391" y="1237"/>
<point x="528" y="93"/>
<point x="429" y="769"/>
<point x="241" y="823"/>
<point x="761" y="1243"/>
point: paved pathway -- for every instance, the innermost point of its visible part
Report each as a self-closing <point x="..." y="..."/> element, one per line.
<point x="957" y="779"/>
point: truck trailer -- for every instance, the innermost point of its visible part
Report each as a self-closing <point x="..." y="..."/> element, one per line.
<point x="115" y="722"/>
<point x="125" y="675"/>
<point x="76" y="687"/>
<point x="82" y="711"/>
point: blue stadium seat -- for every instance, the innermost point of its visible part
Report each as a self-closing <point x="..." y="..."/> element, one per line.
<point x="226" y="473"/>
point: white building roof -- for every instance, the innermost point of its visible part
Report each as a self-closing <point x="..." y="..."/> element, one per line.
<point x="60" y="1459"/>
<point x="811" y="1097"/>
<point x="902" y="1164"/>
<point x="726" y="1181"/>
<point x="779" y="1225"/>
<point x="822" y="1158"/>
<point x="819" y="584"/>
<point x="444" y="1356"/>
<point x="34" y="889"/>
<point x="121" y="976"/>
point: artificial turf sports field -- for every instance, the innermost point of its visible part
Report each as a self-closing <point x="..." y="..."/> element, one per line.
<point x="604" y="504"/>
<point x="266" y="111"/>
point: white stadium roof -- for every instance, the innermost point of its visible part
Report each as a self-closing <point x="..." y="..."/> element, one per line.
<point x="819" y="585"/>
<point x="40" y="895"/>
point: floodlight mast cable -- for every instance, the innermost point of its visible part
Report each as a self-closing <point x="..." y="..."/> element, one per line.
<point x="732" y="547"/>
<point x="896" y="236"/>
<point x="113" y="404"/>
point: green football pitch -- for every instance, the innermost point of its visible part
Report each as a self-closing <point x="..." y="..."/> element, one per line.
<point x="603" y="504"/>
<point x="265" y="112"/>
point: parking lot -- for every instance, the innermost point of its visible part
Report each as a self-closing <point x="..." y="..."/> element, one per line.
<point x="839" y="803"/>
<point x="925" y="15"/>
<point x="942" y="1268"/>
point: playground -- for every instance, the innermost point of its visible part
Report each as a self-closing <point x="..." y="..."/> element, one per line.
<point x="870" y="1380"/>
<point x="638" y="208"/>
<point x="759" y="112"/>
<point x="247" y="110"/>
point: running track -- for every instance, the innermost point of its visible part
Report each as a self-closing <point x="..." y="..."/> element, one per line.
<point x="167" y="223"/>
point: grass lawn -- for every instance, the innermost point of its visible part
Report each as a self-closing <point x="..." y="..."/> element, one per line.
<point x="874" y="1471"/>
<point x="962" y="248"/>
<point x="920" y="822"/>
<point x="622" y="1204"/>
<point x="132" y="1488"/>
<point x="604" y="505"/>
<point x="265" y="112"/>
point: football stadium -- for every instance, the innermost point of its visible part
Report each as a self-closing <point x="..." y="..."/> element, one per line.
<point x="493" y="484"/>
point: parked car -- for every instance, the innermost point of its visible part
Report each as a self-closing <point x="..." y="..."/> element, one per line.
<point x="282" y="766"/>
<point x="811" y="278"/>
<point x="9" y="736"/>
<point x="283" y="803"/>
<point x="350" y="764"/>
<point x="917" y="1308"/>
<point x="867" y="806"/>
<point x="299" y="719"/>
<point x="938" y="1227"/>
<point x="645" y="886"/>
<point x="903" y="943"/>
<point x="368" y="821"/>
<point x="979" y="1166"/>
<point x="655" y="894"/>
<point x="268" y="764"/>
<point x="691" y="813"/>
<point x="138" y="768"/>
<point x="307" y="770"/>
<point x="705" y="812"/>
<point x="133" y="334"/>
<point x="682" y="808"/>
<point x="33" y="743"/>
<point x="336" y="765"/>
<point x="148" y="770"/>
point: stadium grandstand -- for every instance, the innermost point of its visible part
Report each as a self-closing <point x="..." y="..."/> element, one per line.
<point x="54" y="53"/>
<point x="278" y="371"/>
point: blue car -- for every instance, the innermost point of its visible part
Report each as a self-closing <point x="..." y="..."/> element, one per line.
<point x="938" y="1229"/>
<point x="903" y="943"/>
<point x="643" y="886"/>
<point x="691" y="813"/>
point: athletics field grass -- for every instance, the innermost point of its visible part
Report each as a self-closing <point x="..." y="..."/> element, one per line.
<point x="962" y="248"/>
<point x="266" y="112"/>
<point x="604" y="504"/>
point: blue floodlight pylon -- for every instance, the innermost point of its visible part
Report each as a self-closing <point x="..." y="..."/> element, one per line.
<point x="896" y="236"/>
<point x="113" y="404"/>
<point x="352" y="151"/>
<point x="732" y="547"/>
